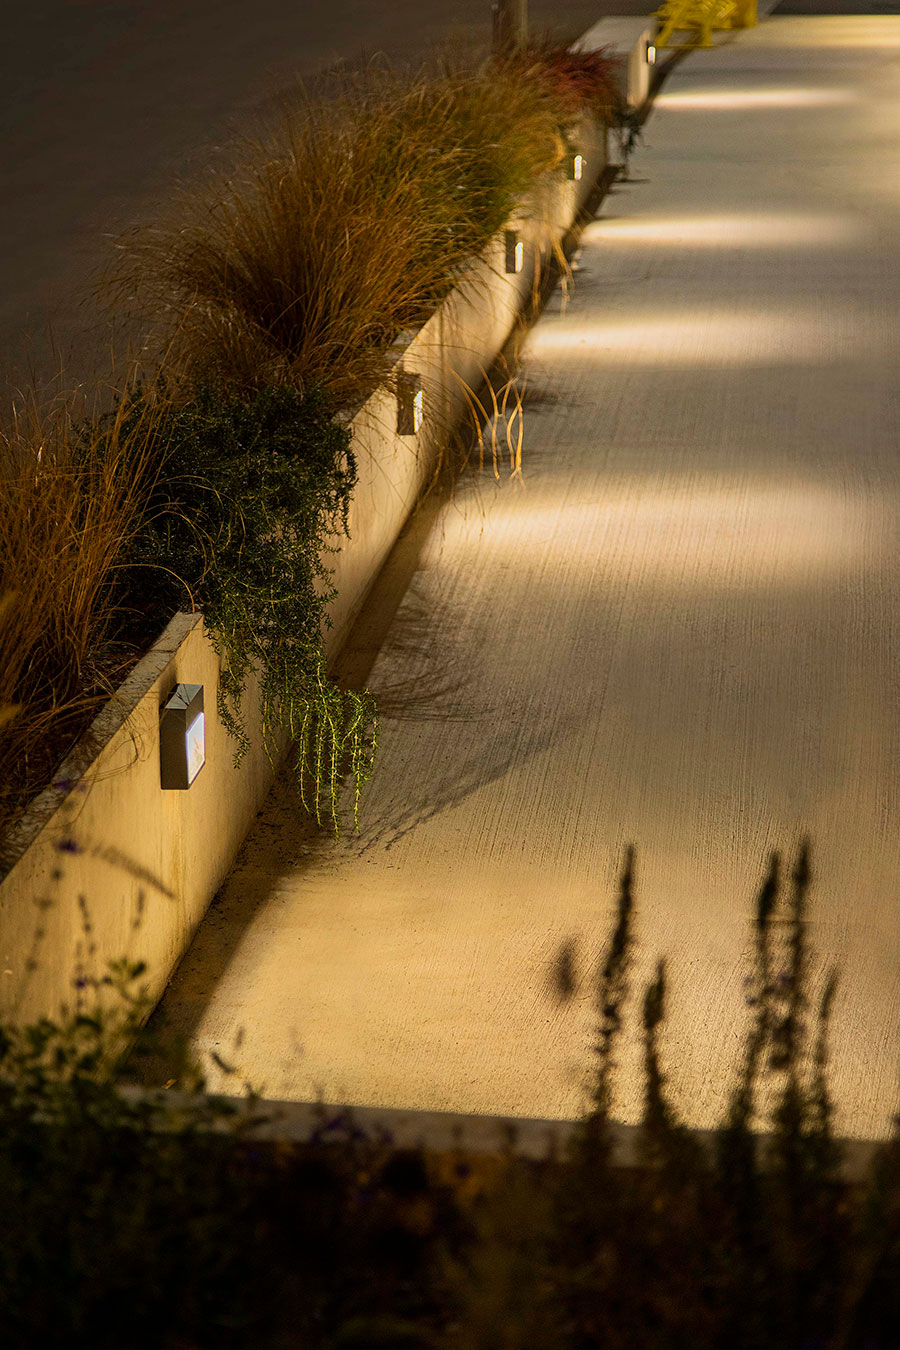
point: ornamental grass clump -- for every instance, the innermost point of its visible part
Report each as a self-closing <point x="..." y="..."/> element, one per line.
<point x="73" y="489"/>
<point x="577" y="82"/>
<point x="291" y="272"/>
<point x="342" y="229"/>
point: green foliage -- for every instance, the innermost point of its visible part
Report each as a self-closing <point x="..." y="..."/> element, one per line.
<point x="252" y="492"/>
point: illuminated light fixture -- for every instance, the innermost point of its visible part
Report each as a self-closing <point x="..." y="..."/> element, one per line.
<point x="182" y="737"/>
<point x="410" y="404"/>
<point x="515" y="252"/>
<point x="576" y="168"/>
<point x="651" y="54"/>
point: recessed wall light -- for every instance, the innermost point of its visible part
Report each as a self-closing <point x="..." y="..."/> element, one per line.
<point x="515" y="251"/>
<point x="182" y="737"/>
<point x="410" y="404"/>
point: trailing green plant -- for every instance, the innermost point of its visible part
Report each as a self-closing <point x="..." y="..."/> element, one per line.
<point x="251" y="495"/>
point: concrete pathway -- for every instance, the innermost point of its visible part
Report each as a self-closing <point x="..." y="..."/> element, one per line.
<point x="682" y="632"/>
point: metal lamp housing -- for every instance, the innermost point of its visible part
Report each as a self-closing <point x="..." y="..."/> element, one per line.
<point x="182" y="737"/>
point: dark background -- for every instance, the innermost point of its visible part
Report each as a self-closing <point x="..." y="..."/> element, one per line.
<point x="104" y="104"/>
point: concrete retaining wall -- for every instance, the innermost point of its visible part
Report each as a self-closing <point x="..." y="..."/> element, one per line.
<point x="108" y="864"/>
<point x="628" y="37"/>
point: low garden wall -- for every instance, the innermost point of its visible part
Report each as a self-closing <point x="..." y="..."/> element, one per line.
<point x="630" y="38"/>
<point x="108" y="864"/>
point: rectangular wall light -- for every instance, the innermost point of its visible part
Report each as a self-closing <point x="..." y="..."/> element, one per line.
<point x="515" y="251"/>
<point x="576" y="168"/>
<point x="182" y="737"/>
<point x="651" y="54"/>
<point x="410" y="404"/>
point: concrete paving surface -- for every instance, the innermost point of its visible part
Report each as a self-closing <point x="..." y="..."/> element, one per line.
<point x="680" y="632"/>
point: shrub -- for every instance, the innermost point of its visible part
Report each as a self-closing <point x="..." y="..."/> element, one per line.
<point x="156" y="1223"/>
<point x="344" y="228"/>
<point x="250" y="493"/>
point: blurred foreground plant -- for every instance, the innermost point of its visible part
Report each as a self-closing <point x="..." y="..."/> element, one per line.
<point x="157" y="1220"/>
<point x="162" y="1220"/>
<point x="753" y="1243"/>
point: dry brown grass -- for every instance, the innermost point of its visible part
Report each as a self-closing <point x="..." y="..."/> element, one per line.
<point x="345" y="227"/>
<point x="71" y="491"/>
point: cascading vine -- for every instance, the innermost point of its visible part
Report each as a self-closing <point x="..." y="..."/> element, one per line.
<point x="251" y="493"/>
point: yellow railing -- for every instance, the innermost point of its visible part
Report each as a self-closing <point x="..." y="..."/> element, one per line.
<point x="700" y="17"/>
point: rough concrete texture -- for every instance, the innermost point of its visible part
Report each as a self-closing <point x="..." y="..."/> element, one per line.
<point x="680" y="632"/>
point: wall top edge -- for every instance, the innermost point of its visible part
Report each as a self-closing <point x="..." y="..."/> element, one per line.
<point x="620" y="31"/>
<point x="111" y="718"/>
<point x="526" y="1137"/>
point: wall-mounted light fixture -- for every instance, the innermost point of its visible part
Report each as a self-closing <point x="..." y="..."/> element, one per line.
<point x="515" y="251"/>
<point x="651" y="54"/>
<point x="410" y="404"/>
<point x="182" y="737"/>
<point x="576" y="168"/>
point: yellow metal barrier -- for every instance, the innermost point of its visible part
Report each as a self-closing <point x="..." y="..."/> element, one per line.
<point x="701" y="17"/>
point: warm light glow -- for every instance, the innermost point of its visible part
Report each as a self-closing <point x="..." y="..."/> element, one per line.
<point x="651" y="54"/>
<point x="195" y="746"/>
<point x="745" y="100"/>
<point x="762" y="230"/>
<point x="682" y="338"/>
<point x="515" y="251"/>
<point x="827" y="30"/>
<point x="737" y="533"/>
